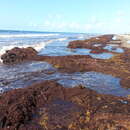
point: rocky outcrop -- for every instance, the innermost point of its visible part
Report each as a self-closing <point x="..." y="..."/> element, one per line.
<point x="48" y="105"/>
<point x="118" y="66"/>
<point x="17" y="55"/>
<point x="88" y="43"/>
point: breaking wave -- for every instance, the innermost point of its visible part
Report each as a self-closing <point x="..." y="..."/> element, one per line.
<point x="26" y="35"/>
<point x="62" y="39"/>
<point x="37" y="46"/>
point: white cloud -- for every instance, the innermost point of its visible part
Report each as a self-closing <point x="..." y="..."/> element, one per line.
<point x="58" y="22"/>
<point x="120" y="13"/>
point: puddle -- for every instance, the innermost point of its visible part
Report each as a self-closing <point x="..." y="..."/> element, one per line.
<point x="114" y="49"/>
<point x="96" y="56"/>
<point x="114" y="45"/>
<point x="102" y="56"/>
<point x="100" y="82"/>
<point x="63" y="51"/>
<point x="58" y="49"/>
<point x="79" y="51"/>
<point x="128" y="42"/>
<point x="97" y="45"/>
<point x="29" y="73"/>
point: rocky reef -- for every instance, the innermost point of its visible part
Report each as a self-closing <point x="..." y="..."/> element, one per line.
<point x="96" y="44"/>
<point x="17" y="55"/>
<point x="48" y="105"/>
<point x="103" y="39"/>
<point x="118" y="66"/>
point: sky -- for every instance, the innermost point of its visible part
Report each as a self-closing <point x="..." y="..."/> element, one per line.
<point x="89" y="16"/>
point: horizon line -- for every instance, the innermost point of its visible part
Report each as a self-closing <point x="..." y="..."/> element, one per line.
<point x="16" y="30"/>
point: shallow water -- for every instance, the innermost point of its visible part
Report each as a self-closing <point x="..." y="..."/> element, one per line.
<point x="100" y="82"/>
<point x="102" y="55"/>
<point x="97" y="45"/>
<point x="29" y="73"/>
<point x="114" y="49"/>
<point x="37" y="40"/>
<point x="21" y="75"/>
<point x="52" y="44"/>
<point x="56" y="49"/>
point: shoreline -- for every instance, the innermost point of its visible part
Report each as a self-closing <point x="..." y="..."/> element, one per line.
<point x="50" y="105"/>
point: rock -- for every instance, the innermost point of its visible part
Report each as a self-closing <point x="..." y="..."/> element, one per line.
<point x="48" y="105"/>
<point x="17" y="55"/>
<point x="126" y="82"/>
<point x="59" y="113"/>
<point x="98" y="50"/>
<point x="88" y="43"/>
<point x="118" y="65"/>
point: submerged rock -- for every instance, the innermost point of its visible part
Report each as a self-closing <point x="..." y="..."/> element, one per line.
<point x="17" y="55"/>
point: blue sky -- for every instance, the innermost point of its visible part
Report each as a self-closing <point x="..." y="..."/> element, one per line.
<point x="92" y="16"/>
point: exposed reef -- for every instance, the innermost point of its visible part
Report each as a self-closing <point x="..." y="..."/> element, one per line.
<point x="96" y="44"/>
<point x="118" y="66"/>
<point x="17" y="55"/>
<point x="48" y="105"/>
<point x="104" y="39"/>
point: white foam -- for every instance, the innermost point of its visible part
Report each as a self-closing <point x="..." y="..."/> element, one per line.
<point x="62" y="39"/>
<point x="1" y="90"/>
<point x="81" y="37"/>
<point x="40" y="45"/>
<point x="37" y="46"/>
<point x="26" y="35"/>
<point x="114" y="38"/>
<point x="97" y="45"/>
<point x="128" y="42"/>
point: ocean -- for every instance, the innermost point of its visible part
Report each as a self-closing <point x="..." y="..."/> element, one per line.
<point x="51" y="44"/>
<point x="46" y="43"/>
<point x="38" y="40"/>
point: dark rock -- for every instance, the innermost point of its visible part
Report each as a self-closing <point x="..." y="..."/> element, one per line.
<point x="88" y="43"/>
<point x="48" y="105"/>
<point x="17" y="55"/>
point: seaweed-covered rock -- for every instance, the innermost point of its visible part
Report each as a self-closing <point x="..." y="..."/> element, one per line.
<point x="17" y="55"/>
<point x="48" y="105"/>
<point x="103" y="39"/>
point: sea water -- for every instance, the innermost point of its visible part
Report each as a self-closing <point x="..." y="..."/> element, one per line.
<point x="51" y="44"/>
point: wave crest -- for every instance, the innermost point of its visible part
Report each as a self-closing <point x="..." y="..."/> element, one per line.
<point x="37" y="46"/>
<point x="26" y="35"/>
